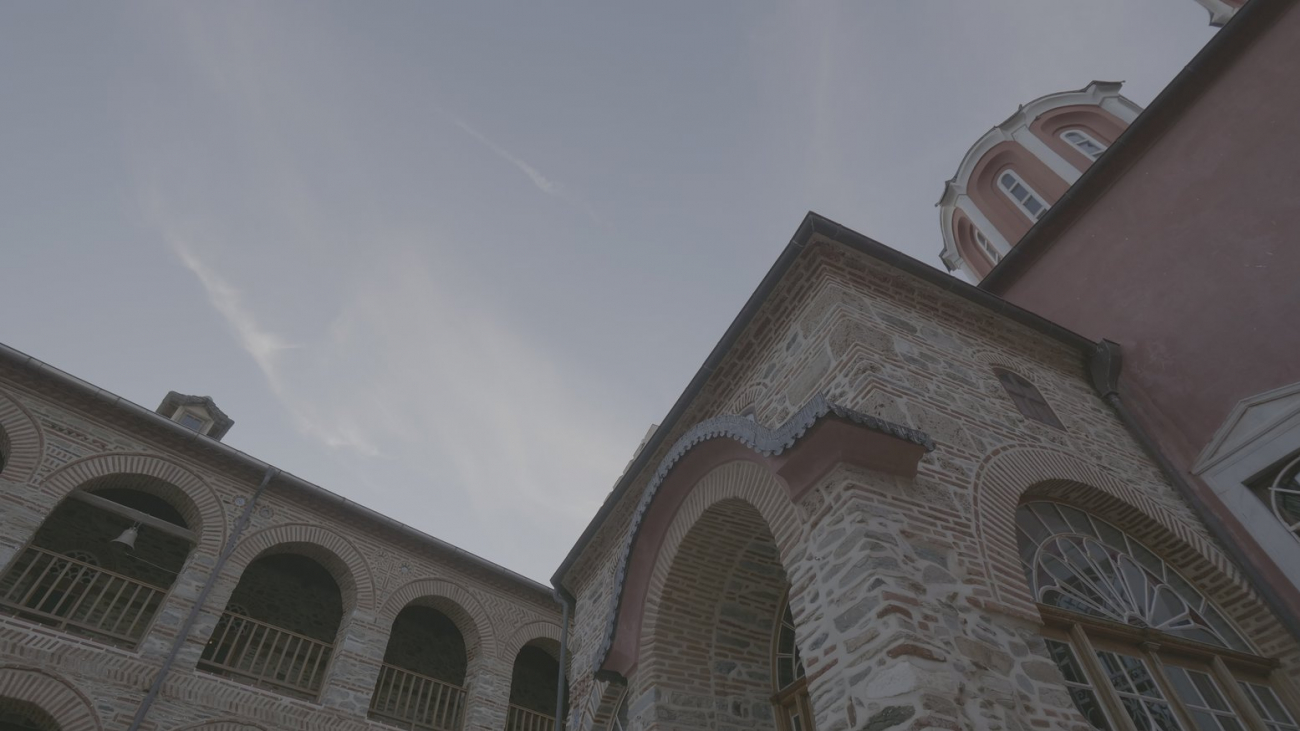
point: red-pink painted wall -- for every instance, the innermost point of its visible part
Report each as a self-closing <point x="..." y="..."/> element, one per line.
<point x="1191" y="260"/>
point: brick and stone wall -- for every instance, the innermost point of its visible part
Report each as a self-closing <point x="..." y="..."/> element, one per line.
<point x="910" y="603"/>
<point x="57" y="443"/>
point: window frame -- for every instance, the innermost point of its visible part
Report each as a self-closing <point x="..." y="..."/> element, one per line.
<point x="1086" y="635"/>
<point x="792" y="699"/>
<point x="986" y="246"/>
<point x="1039" y="410"/>
<point x="1020" y="203"/>
<point x="1101" y="147"/>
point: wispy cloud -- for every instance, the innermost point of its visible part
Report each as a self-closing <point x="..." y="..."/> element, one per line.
<point x="543" y="183"/>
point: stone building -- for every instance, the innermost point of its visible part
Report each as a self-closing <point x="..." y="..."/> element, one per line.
<point x="154" y="578"/>
<point x="888" y="499"/>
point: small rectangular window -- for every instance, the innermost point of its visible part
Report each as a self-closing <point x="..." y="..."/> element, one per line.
<point x="190" y="421"/>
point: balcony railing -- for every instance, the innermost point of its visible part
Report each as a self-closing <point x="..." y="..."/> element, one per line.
<point x="522" y="719"/>
<point x="78" y="596"/>
<point x="417" y="701"/>
<point x="263" y="654"/>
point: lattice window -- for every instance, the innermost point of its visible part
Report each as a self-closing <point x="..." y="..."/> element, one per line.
<point x="1028" y="400"/>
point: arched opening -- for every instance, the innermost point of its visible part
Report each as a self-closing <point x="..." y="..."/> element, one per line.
<point x="422" y="681"/>
<point x="1138" y="645"/>
<point x="280" y="625"/>
<point x="5" y="447"/>
<point x="532" y="687"/>
<point x="789" y="680"/>
<point x="102" y="563"/>
<point x="714" y="650"/>
<point x="18" y="715"/>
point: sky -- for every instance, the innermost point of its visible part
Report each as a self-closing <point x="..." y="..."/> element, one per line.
<point x="450" y="260"/>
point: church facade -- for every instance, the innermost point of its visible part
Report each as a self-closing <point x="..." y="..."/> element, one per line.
<point x="889" y="499"/>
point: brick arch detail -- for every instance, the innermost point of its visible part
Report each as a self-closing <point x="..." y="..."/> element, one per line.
<point x="204" y="513"/>
<point x="540" y="630"/>
<point x="602" y="702"/>
<point x="480" y="634"/>
<point x="1008" y="473"/>
<point x="746" y="481"/>
<point x="355" y="580"/>
<point x="26" y="440"/>
<point x="223" y="724"/>
<point x="69" y="707"/>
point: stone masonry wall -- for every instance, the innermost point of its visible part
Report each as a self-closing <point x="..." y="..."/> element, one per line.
<point x="58" y="442"/>
<point x="910" y="580"/>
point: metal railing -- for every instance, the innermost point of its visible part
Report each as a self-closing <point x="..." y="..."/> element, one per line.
<point x="262" y="653"/>
<point x="78" y="596"/>
<point x="522" y="719"/>
<point x="417" y="701"/>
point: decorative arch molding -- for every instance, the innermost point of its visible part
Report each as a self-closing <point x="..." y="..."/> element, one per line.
<point x="795" y="455"/>
<point x="539" y="630"/>
<point x="25" y="440"/>
<point x="337" y="554"/>
<point x="750" y="483"/>
<point x="52" y="694"/>
<point x="223" y="724"/>
<point x="749" y="396"/>
<point x="1008" y="474"/>
<point x="473" y="621"/>
<point x="202" y="508"/>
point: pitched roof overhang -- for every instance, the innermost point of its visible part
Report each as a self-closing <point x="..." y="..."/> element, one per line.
<point x="813" y="228"/>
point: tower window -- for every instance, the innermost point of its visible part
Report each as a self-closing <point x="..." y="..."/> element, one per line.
<point x="987" y="247"/>
<point x="1084" y="142"/>
<point x="1027" y="398"/>
<point x="1029" y="202"/>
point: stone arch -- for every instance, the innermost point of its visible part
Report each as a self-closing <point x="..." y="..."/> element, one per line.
<point x="200" y="505"/>
<point x="602" y="702"/>
<point x="529" y="633"/>
<point x="1008" y="474"/>
<point x="223" y="724"/>
<point x="69" y="707"/>
<point x="748" y="397"/>
<point x="460" y="606"/>
<point x="337" y="554"/>
<point x="22" y="442"/>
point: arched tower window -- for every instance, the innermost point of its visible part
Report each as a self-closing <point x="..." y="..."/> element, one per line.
<point x="1084" y="143"/>
<point x="1027" y="398"/>
<point x="793" y="708"/>
<point x="102" y="563"/>
<point x="1029" y="202"/>
<point x="1137" y="644"/>
<point x="986" y="246"/>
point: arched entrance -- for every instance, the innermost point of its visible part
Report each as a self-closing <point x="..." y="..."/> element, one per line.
<point x="713" y="645"/>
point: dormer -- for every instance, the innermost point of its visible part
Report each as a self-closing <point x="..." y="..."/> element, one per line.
<point x="198" y="413"/>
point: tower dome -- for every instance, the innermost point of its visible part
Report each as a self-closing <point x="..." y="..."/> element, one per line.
<point x="1017" y="170"/>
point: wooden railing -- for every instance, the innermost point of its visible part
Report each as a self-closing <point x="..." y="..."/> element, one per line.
<point x="81" y="597"/>
<point x="522" y="719"/>
<point x="417" y="701"/>
<point x="262" y="653"/>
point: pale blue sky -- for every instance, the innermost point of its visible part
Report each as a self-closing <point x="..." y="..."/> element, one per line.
<point x="451" y="260"/>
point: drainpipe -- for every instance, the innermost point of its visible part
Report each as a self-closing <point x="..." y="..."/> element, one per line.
<point x="193" y="617"/>
<point x="1104" y="366"/>
<point x="566" y="601"/>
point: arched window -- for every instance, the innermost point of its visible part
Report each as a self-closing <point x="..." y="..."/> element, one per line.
<point x="1137" y="644"/>
<point x="101" y="564"/>
<point x="986" y="246"/>
<point x="1280" y="490"/>
<point x="1084" y="143"/>
<point x="532" y="687"/>
<point x="279" y="627"/>
<point x="422" y="681"/>
<point x="793" y="708"/>
<point x="1028" y="400"/>
<point x="1030" y="203"/>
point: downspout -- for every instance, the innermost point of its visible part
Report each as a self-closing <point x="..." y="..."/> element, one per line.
<point x="566" y="601"/>
<point x="1104" y="365"/>
<point x="193" y="617"/>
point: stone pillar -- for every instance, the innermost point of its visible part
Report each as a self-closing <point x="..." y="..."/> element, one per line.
<point x="487" y="681"/>
<point x="354" y="669"/>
